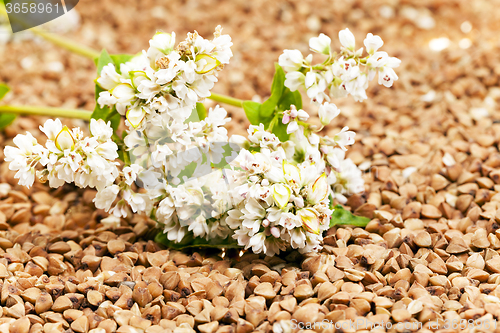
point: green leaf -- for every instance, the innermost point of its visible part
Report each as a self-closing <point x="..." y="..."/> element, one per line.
<point x="5" y="118"/>
<point x="269" y="106"/>
<point x="341" y="216"/>
<point x="252" y="111"/>
<point x="102" y="61"/>
<point x="4" y="89"/>
<point x="280" y="131"/>
<point x="195" y="242"/>
<point x="202" y="111"/>
<point x="290" y="98"/>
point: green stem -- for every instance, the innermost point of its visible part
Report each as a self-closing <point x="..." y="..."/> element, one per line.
<point x="46" y="111"/>
<point x="67" y="44"/>
<point x="226" y="99"/>
<point x="63" y="42"/>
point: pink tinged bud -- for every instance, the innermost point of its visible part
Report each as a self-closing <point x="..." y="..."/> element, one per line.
<point x="299" y="202"/>
<point x="286" y="118"/>
<point x="275" y="232"/>
<point x="294" y="113"/>
<point x="265" y="182"/>
<point x="265" y="223"/>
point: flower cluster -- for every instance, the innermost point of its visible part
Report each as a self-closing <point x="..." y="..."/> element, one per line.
<point x="68" y="156"/>
<point x="347" y="73"/>
<point x="166" y="78"/>
<point x="283" y="191"/>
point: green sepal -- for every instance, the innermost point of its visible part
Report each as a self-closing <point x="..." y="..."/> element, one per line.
<point x="195" y="242"/>
<point x="340" y="216"/>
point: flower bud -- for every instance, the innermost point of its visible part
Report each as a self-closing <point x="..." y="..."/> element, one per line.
<point x="292" y="173"/>
<point x="64" y="140"/>
<point x="286" y="118"/>
<point x="373" y="43"/>
<point x="347" y="39"/>
<point x="310" y="220"/>
<point x="298" y="201"/>
<point x="318" y="191"/>
<point x="302" y="115"/>
<point x="163" y="41"/>
<point x="136" y="77"/>
<point x="135" y="116"/>
<point x="320" y="44"/>
<point x="275" y="232"/>
<point x="254" y="179"/>
<point x="281" y="195"/>
<point x="265" y="223"/>
<point x="205" y="63"/>
<point x="124" y="93"/>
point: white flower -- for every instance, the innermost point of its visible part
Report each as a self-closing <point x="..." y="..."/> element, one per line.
<point x="291" y="60"/>
<point x="320" y="44"/>
<point x="344" y="137"/>
<point x="347" y="39"/>
<point x="387" y="76"/>
<point x="51" y="128"/>
<point x="136" y="201"/>
<point x="131" y="172"/>
<point x="160" y="45"/>
<point x="327" y="112"/>
<point x="257" y="243"/>
<point x="294" y="80"/>
<point x="106" y="99"/>
<point x="165" y="210"/>
<point x="372" y="43"/>
<point x="105" y="198"/>
<point x="101" y="130"/>
<point x="315" y="85"/>
<point x="292" y="127"/>
<point x="109" y="77"/>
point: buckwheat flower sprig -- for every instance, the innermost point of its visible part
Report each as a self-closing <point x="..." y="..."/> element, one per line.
<point x="68" y="156"/>
<point x="342" y="74"/>
<point x="270" y="191"/>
